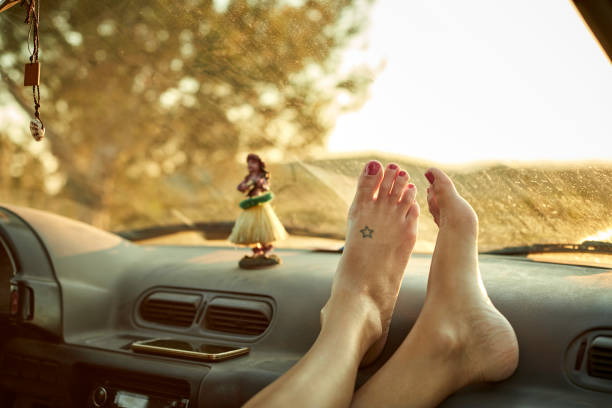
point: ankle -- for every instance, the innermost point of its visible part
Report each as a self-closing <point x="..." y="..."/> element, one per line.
<point x="354" y="316"/>
<point x="438" y="337"/>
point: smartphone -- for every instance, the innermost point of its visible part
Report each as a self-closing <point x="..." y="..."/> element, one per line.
<point x="185" y="349"/>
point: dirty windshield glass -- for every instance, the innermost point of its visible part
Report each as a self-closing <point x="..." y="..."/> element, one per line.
<point x="151" y="107"/>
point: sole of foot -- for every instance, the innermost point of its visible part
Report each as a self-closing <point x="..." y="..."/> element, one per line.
<point x="457" y="311"/>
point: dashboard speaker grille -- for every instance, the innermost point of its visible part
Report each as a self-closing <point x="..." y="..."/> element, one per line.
<point x="600" y="357"/>
<point x="170" y="309"/>
<point x="238" y="316"/>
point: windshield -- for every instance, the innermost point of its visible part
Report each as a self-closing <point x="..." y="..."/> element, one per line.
<point x="151" y="107"/>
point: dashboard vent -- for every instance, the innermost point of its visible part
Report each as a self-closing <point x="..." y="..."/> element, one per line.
<point x="238" y="316"/>
<point x="170" y="309"/>
<point x="600" y="357"/>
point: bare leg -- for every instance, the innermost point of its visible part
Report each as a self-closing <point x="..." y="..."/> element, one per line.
<point x="381" y="232"/>
<point x="459" y="337"/>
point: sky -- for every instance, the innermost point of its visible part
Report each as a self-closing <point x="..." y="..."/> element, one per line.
<point x="476" y="81"/>
<point x="482" y="80"/>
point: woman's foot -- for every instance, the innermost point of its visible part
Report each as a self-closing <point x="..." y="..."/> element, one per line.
<point x="457" y="303"/>
<point x="459" y="337"/>
<point x="381" y="232"/>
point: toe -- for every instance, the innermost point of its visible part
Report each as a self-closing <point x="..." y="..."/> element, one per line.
<point x="388" y="180"/>
<point x="441" y="185"/>
<point x="369" y="181"/>
<point x="400" y="186"/>
<point x="434" y="210"/>
<point x="408" y="197"/>
<point x="413" y="213"/>
<point x="447" y="206"/>
<point x="412" y="222"/>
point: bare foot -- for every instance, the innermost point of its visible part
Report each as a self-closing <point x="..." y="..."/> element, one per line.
<point x="459" y="337"/>
<point x="381" y="232"/>
<point x="457" y="304"/>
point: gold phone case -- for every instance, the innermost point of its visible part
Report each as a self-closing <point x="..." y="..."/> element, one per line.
<point x="142" y="347"/>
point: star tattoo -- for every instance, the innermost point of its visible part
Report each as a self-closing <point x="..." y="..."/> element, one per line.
<point x="366" y="232"/>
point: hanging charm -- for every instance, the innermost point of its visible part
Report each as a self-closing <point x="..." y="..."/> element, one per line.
<point x="37" y="129"/>
<point x="32" y="70"/>
<point x="31" y="76"/>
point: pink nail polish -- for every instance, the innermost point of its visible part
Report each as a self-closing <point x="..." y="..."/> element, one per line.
<point x="373" y="168"/>
<point x="430" y="177"/>
<point x="401" y="173"/>
<point x="410" y="185"/>
<point x="393" y="166"/>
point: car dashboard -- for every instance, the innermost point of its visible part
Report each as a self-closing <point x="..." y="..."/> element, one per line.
<point x="77" y="298"/>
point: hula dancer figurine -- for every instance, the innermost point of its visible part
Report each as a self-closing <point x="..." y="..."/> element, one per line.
<point x="257" y="226"/>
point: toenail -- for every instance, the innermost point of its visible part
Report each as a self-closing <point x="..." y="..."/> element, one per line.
<point x="373" y="168"/>
<point x="410" y="185"/>
<point x="402" y="173"/>
<point x="393" y="166"/>
<point x="430" y="177"/>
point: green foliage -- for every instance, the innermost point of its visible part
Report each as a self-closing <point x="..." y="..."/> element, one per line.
<point x="135" y="93"/>
<point x="21" y="171"/>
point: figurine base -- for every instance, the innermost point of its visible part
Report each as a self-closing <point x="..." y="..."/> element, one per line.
<point x="257" y="262"/>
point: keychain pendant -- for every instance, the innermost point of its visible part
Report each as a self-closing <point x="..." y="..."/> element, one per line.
<point x="37" y="129"/>
<point x="32" y="74"/>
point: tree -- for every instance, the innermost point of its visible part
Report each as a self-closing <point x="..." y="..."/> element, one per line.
<point x="133" y="94"/>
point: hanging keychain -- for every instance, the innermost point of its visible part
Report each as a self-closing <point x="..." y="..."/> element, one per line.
<point x="32" y="70"/>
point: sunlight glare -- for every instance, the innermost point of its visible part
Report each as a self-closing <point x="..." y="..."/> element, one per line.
<point x="470" y="81"/>
<point x="604" y="235"/>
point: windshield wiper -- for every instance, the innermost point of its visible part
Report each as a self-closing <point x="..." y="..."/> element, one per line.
<point x="595" y="247"/>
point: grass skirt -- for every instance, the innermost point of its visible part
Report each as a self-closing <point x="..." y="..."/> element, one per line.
<point x="257" y="224"/>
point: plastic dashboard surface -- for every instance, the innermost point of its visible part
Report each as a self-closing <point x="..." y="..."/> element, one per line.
<point x="102" y="281"/>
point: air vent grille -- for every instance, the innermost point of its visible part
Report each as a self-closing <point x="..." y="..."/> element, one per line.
<point x="170" y="309"/>
<point x="238" y="316"/>
<point x="600" y="357"/>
